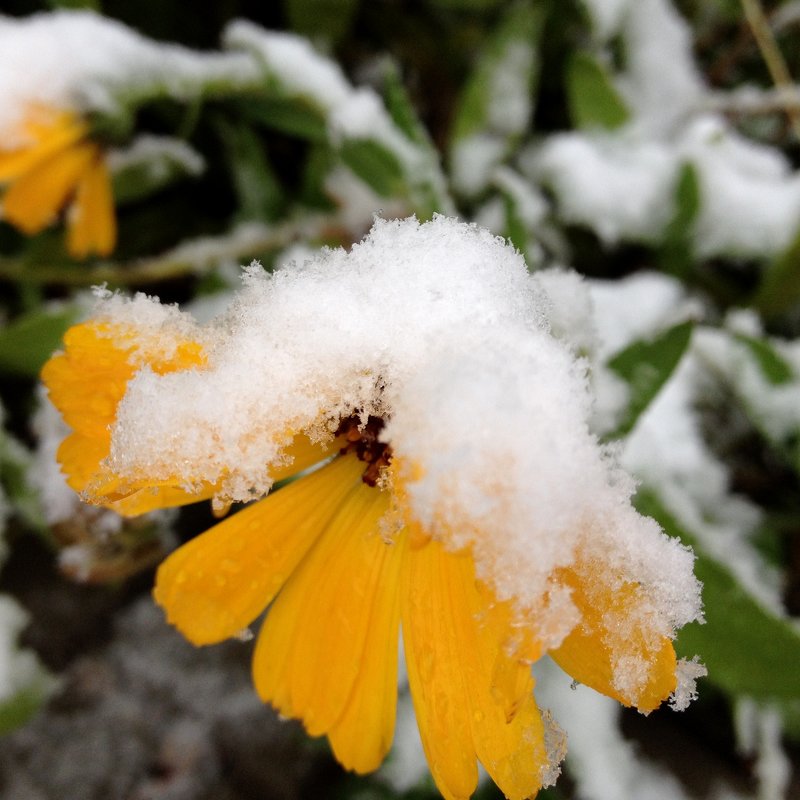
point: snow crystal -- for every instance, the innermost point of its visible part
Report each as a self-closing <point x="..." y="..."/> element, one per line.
<point x="687" y="672"/>
<point x="85" y="62"/>
<point x="439" y="328"/>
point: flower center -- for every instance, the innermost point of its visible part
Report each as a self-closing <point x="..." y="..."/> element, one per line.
<point x="363" y="441"/>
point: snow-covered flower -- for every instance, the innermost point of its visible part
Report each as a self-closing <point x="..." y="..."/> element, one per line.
<point x="446" y="484"/>
<point x="51" y="165"/>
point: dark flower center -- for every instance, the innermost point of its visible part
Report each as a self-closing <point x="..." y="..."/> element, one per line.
<point x="363" y="440"/>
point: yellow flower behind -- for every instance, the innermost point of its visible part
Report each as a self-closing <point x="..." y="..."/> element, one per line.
<point x="53" y="166"/>
<point x="346" y="567"/>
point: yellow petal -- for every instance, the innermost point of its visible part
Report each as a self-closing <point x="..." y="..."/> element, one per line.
<point x="217" y="584"/>
<point x="153" y="498"/>
<point x="511" y="750"/>
<point x="92" y="226"/>
<point x="47" y="134"/>
<point x="33" y="201"/>
<point x="434" y="654"/>
<point x="363" y="735"/>
<point x="328" y="651"/>
<point x="604" y="637"/>
<point x="86" y="383"/>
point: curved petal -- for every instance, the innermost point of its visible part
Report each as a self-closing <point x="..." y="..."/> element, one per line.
<point x="92" y="226"/>
<point x="461" y="711"/>
<point x="46" y="133"/>
<point x="339" y="611"/>
<point x="86" y="383"/>
<point x="613" y="649"/>
<point x="34" y="199"/>
<point x="217" y="584"/>
<point x="509" y="743"/>
<point x="434" y="653"/>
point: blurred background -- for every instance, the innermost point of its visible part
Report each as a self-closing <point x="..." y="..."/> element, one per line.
<point x="651" y="146"/>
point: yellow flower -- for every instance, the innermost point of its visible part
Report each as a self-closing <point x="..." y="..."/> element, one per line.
<point x="51" y="166"/>
<point x="345" y="567"/>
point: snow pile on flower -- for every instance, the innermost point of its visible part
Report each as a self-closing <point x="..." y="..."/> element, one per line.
<point x="439" y="329"/>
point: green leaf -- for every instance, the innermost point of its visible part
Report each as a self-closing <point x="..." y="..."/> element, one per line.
<point x="257" y="189"/>
<point x="295" y="116"/>
<point x="17" y="710"/>
<point x="320" y="161"/>
<point x="646" y="366"/>
<point x="747" y="649"/>
<point x="780" y="283"/>
<point x="677" y="249"/>
<point x="330" y="19"/>
<point x="92" y="5"/>
<point x="773" y="366"/>
<point x="511" y="46"/>
<point x="374" y="164"/>
<point x="15" y="469"/>
<point x="30" y="340"/>
<point x="430" y="195"/>
<point x="159" y="166"/>
<point x="592" y="99"/>
<point x="401" y="109"/>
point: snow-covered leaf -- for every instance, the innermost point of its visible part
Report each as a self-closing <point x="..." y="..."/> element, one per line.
<point x="646" y="366"/>
<point x="747" y="648"/>
<point x="150" y="164"/>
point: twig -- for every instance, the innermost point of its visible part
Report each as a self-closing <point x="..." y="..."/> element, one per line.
<point x="191" y="258"/>
<point x="773" y="58"/>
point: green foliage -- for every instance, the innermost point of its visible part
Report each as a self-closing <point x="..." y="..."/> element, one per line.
<point x="329" y="19"/>
<point x="592" y="99"/>
<point x="30" y="340"/>
<point x="646" y="366"/>
<point x="773" y="366"/>
<point x="258" y="191"/>
<point x="520" y="27"/>
<point x="678" y="236"/>
<point x="779" y="290"/>
<point x="292" y="116"/>
<point x="17" y="710"/>
<point x="375" y="164"/>
<point x="747" y="649"/>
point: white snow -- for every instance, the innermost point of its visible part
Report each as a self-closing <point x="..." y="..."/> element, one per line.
<point x="84" y="62"/>
<point x="621" y="184"/>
